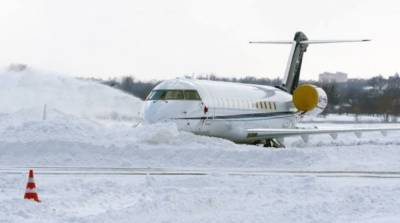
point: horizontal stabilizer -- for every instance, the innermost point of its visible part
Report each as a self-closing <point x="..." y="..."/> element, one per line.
<point x="273" y="42"/>
<point x="334" y="41"/>
<point x="311" y="41"/>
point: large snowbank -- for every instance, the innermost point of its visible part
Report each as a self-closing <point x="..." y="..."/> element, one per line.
<point x="33" y="89"/>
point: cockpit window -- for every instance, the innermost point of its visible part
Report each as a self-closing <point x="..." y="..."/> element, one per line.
<point x="173" y="95"/>
<point x="165" y="95"/>
<point x="191" y="95"/>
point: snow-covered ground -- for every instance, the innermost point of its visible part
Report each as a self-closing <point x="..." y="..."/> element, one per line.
<point x="201" y="199"/>
<point x="91" y="125"/>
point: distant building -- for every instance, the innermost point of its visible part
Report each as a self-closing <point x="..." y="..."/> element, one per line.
<point x="337" y="77"/>
<point x="17" y="67"/>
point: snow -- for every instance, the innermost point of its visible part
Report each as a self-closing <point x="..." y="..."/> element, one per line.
<point x="201" y="199"/>
<point x="91" y="125"/>
<point x="32" y="89"/>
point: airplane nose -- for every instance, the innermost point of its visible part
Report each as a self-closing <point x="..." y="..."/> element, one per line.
<point x="149" y="114"/>
<point x="154" y="112"/>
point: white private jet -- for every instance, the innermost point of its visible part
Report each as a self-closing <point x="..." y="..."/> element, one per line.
<point x="245" y="113"/>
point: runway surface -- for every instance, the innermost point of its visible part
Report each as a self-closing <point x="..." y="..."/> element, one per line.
<point x="81" y="170"/>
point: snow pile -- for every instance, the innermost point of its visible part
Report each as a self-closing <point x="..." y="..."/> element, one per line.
<point x="20" y="127"/>
<point x="65" y="140"/>
<point x="32" y="89"/>
<point x="58" y="126"/>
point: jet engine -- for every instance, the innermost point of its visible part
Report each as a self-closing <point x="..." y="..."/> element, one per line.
<point x="310" y="99"/>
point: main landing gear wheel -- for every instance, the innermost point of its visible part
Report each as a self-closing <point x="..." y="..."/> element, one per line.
<point x="275" y="143"/>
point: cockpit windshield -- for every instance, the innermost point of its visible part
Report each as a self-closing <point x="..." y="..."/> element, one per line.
<point x="173" y="95"/>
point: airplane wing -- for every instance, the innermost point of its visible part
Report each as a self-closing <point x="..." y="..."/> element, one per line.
<point x="304" y="133"/>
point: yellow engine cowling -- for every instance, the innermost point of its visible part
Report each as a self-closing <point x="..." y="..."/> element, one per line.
<point x="310" y="99"/>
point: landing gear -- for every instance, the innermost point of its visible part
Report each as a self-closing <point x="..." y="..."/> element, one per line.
<point x="275" y="143"/>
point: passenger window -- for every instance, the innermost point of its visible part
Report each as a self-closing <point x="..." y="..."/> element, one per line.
<point x="244" y="104"/>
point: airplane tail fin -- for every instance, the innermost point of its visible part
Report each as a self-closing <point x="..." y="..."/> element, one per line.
<point x="299" y="47"/>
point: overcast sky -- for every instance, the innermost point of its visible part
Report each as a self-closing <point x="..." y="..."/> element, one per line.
<point x="165" y="39"/>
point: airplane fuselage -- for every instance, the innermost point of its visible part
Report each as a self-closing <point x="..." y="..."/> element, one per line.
<point x="220" y="109"/>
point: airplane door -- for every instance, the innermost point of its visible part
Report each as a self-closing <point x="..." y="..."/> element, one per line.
<point x="204" y="120"/>
<point x="200" y="114"/>
<point x="198" y="117"/>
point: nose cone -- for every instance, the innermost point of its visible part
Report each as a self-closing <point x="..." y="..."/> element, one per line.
<point x="164" y="110"/>
<point x="152" y="112"/>
<point x="160" y="111"/>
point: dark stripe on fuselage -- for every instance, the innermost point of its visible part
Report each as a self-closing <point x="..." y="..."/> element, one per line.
<point x="251" y="115"/>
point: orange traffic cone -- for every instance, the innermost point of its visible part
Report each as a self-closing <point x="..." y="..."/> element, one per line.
<point x="30" y="192"/>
